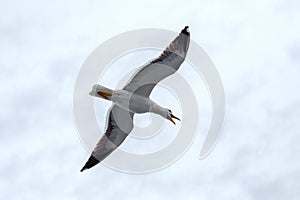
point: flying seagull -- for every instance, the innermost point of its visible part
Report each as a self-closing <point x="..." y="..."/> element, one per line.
<point x="134" y="97"/>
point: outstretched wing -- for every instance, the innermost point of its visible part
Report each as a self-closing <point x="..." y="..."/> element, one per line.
<point x="119" y="125"/>
<point x="145" y="79"/>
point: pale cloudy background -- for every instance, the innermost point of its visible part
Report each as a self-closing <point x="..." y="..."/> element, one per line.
<point x="255" y="46"/>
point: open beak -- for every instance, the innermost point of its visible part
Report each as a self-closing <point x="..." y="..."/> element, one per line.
<point x="173" y="117"/>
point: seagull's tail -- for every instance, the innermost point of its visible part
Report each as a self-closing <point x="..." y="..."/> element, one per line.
<point x="101" y="92"/>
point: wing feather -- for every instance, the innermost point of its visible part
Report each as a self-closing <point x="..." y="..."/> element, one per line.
<point x="145" y="79"/>
<point x="119" y="125"/>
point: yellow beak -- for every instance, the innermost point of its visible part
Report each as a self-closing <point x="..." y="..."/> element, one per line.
<point x="173" y="117"/>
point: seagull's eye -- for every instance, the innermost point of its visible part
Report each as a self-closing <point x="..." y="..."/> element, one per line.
<point x="169" y="111"/>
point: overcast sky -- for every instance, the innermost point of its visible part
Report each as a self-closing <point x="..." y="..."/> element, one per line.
<point x="255" y="46"/>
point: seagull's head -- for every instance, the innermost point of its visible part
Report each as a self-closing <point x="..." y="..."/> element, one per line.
<point x="170" y="116"/>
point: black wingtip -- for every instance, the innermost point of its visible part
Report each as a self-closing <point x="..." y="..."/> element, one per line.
<point x="186" y="30"/>
<point x="92" y="161"/>
<point x="84" y="168"/>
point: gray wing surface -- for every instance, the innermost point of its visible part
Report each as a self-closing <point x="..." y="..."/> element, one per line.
<point x="119" y="125"/>
<point x="145" y="79"/>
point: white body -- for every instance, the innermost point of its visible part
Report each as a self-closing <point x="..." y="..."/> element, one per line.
<point x="131" y="102"/>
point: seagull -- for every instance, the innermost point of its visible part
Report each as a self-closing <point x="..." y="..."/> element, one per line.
<point x="134" y="97"/>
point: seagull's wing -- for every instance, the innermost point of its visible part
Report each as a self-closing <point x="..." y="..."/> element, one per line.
<point x="166" y="64"/>
<point x="119" y="125"/>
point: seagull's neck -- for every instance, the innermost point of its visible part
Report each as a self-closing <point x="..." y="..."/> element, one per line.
<point x="157" y="109"/>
